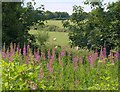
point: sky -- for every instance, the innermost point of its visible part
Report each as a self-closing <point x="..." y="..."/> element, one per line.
<point x="63" y="5"/>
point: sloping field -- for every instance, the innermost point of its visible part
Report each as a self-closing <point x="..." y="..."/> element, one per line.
<point x="61" y="38"/>
<point x="55" y="22"/>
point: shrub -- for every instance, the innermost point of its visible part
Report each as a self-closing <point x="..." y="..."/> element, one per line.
<point x="40" y="39"/>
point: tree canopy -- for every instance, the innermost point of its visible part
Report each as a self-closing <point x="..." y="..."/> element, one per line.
<point x="16" y="21"/>
<point x="97" y="28"/>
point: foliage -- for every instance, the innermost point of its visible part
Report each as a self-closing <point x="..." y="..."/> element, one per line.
<point x="97" y="28"/>
<point x="16" y="21"/>
<point x="58" y="69"/>
<point x="41" y="37"/>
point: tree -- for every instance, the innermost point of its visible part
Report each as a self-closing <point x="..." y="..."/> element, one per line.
<point x="97" y="28"/>
<point x="16" y="21"/>
<point x="49" y="15"/>
<point x="56" y="15"/>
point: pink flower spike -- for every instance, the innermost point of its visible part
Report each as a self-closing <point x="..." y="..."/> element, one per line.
<point x="36" y="55"/>
<point x="24" y="50"/>
<point x="91" y="60"/>
<point x="104" y="52"/>
<point x="49" y="66"/>
<point x="3" y="54"/>
<point x="49" y="55"/>
<point x="116" y="55"/>
<point x="53" y="52"/>
<point x="18" y="48"/>
<point x="62" y="53"/>
<point x="75" y="60"/>
<point x="28" y="46"/>
<point x="12" y="50"/>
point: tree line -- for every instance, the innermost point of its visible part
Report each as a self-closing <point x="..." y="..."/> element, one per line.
<point x="56" y="15"/>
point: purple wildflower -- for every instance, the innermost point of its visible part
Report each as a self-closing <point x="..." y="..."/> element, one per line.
<point x="49" y="66"/>
<point x="52" y="57"/>
<point x="104" y="52"/>
<point x="36" y="55"/>
<point x="116" y="55"/>
<point x="41" y="74"/>
<point x="62" y="53"/>
<point x="3" y="54"/>
<point x="96" y="55"/>
<point x="9" y="54"/>
<point x="11" y="47"/>
<point x="28" y="46"/>
<point x="24" y="50"/>
<point x="74" y="60"/>
<point x="59" y="60"/>
<point x="10" y="57"/>
<point x="101" y="54"/>
<point x="53" y="52"/>
<point x="111" y="57"/>
<point x="12" y="50"/>
<point x="27" y="62"/>
<point x="91" y="60"/>
<point x="49" y="54"/>
<point x="18" y="48"/>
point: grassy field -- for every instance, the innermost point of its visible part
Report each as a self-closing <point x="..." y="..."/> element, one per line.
<point x="62" y="38"/>
<point x="55" y="22"/>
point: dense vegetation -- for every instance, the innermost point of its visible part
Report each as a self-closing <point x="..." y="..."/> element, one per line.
<point x="16" y="21"/>
<point x="58" y="69"/>
<point x="97" y="28"/>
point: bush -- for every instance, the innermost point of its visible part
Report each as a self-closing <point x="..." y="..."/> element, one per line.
<point x="40" y="39"/>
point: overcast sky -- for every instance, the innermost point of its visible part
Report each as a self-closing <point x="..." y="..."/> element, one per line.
<point x="63" y="5"/>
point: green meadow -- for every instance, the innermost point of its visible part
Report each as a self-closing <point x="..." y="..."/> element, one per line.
<point x="62" y="38"/>
<point x="57" y="23"/>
